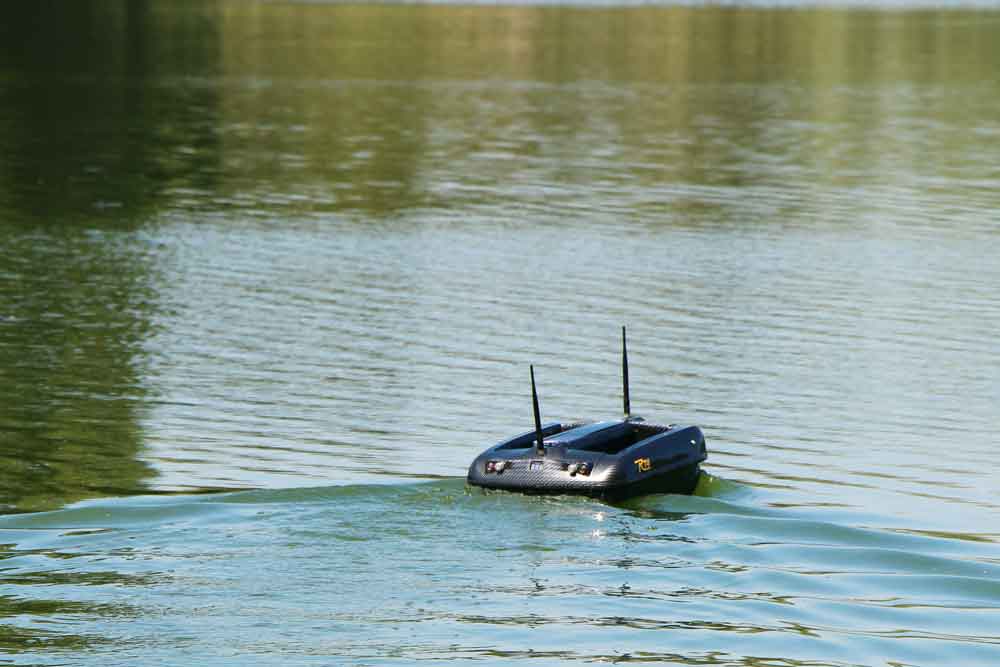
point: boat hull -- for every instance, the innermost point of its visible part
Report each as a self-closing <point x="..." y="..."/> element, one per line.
<point x="575" y="463"/>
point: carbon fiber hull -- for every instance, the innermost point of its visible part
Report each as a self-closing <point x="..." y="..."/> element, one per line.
<point x="613" y="460"/>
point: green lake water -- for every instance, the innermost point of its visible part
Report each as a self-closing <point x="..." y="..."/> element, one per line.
<point x="272" y="273"/>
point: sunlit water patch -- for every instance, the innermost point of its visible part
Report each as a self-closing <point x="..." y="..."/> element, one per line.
<point x="433" y="572"/>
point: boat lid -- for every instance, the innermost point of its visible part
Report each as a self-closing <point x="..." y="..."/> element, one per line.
<point x="581" y="436"/>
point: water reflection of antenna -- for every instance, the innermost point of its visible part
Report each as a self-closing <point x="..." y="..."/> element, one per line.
<point x="539" y="443"/>
<point x="625" y="376"/>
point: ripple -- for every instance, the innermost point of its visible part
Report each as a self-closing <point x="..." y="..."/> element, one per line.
<point x="720" y="575"/>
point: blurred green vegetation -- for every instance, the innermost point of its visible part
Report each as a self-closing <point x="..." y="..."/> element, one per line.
<point x="91" y="140"/>
<point x="113" y="114"/>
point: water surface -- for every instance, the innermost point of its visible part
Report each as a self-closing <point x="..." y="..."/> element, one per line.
<point x="301" y="255"/>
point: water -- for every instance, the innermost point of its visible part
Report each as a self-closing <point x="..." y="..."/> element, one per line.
<point x="271" y="276"/>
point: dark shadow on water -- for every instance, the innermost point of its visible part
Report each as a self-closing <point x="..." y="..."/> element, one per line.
<point x="98" y="115"/>
<point x="97" y="122"/>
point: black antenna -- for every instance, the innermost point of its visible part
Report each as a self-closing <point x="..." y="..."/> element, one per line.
<point x="539" y="442"/>
<point x="625" y="375"/>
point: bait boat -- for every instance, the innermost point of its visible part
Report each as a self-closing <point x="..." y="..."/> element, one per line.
<point x="615" y="459"/>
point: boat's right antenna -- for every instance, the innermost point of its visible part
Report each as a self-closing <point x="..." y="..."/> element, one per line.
<point x="625" y="376"/>
<point x="539" y="442"/>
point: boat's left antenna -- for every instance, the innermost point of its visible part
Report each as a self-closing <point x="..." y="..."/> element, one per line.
<point x="539" y="441"/>
<point x="628" y="411"/>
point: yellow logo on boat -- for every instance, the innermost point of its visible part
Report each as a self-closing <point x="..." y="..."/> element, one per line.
<point x="644" y="465"/>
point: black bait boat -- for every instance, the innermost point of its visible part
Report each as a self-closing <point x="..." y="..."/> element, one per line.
<point x="607" y="459"/>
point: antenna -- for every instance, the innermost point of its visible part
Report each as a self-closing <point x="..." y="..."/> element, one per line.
<point x="539" y="442"/>
<point x="625" y="376"/>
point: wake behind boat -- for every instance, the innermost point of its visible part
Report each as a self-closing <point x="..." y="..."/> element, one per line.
<point x="615" y="459"/>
